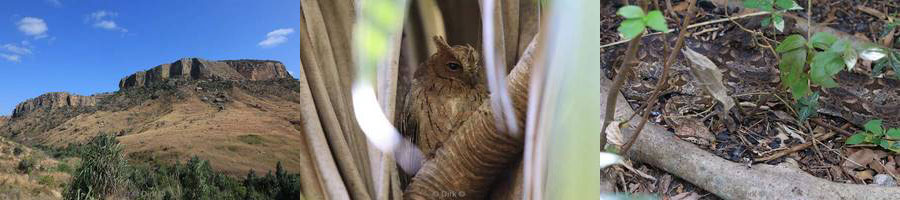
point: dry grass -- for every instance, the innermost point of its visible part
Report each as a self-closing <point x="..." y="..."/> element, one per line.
<point x="43" y="182"/>
<point x="252" y="132"/>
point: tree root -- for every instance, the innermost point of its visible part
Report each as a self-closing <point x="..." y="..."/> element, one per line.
<point x="730" y="180"/>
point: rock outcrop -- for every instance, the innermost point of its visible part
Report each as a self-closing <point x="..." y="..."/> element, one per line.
<point x="3" y="120"/>
<point x="196" y="69"/>
<point x="54" y="100"/>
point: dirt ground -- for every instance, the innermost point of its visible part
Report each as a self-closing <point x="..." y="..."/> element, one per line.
<point x="763" y="135"/>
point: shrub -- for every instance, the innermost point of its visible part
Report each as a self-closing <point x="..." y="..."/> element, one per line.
<point x="25" y="165"/>
<point x="102" y="171"/>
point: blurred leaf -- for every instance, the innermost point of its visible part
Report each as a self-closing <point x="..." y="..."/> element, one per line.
<point x="631" y="12"/>
<point x="892" y="60"/>
<point x="821" y="67"/>
<point x="893" y="133"/>
<point x="872" y="54"/>
<point x="656" y="21"/>
<point x="839" y="46"/>
<point x="823" y="40"/>
<point x="790" y="43"/>
<point x="631" y="28"/>
<point x="753" y="3"/>
<point x="850" y="58"/>
<point x="791" y="66"/>
<point x="787" y="5"/>
<point x="807" y="106"/>
<point x="856" y="138"/>
<point x="778" y="20"/>
<point x="710" y="77"/>
<point x="885" y="144"/>
<point x="766" y="21"/>
<point x="874" y="126"/>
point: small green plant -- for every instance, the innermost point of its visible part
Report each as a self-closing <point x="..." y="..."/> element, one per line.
<point x="25" y="165"/>
<point x="636" y="21"/>
<point x="776" y="7"/>
<point x="874" y="133"/>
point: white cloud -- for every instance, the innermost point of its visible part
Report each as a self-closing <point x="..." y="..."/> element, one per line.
<point x="100" y="15"/>
<point x="17" y="49"/>
<point x="276" y="37"/>
<point x="11" y="58"/>
<point x="54" y="3"/>
<point x="101" y="19"/>
<point x="33" y="26"/>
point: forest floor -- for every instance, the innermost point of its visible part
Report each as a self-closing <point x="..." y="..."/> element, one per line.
<point x="763" y="136"/>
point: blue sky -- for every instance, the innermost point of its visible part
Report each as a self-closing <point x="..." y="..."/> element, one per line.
<point x="86" y="46"/>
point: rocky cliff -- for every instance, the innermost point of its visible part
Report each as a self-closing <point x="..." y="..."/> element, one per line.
<point x="3" y="120"/>
<point x="54" y="100"/>
<point x="196" y="69"/>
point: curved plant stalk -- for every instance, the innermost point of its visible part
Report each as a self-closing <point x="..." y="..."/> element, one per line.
<point x="574" y="156"/>
<point x="495" y="64"/>
<point x="665" y="76"/>
<point x="378" y="21"/>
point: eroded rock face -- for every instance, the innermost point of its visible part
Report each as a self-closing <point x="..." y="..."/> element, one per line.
<point x="3" y="120"/>
<point x="195" y="69"/>
<point x="54" y="100"/>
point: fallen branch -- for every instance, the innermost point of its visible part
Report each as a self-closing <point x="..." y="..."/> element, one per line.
<point x="730" y="180"/>
<point x="801" y="147"/>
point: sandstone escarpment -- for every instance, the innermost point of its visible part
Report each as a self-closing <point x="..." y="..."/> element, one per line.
<point x="196" y="69"/>
<point x="54" y="100"/>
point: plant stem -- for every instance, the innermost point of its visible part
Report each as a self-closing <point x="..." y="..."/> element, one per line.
<point x="665" y="75"/>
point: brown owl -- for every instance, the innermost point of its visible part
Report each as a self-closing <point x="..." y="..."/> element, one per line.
<point x="445" y="91"/>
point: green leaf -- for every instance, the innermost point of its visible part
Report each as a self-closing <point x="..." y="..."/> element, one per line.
<point x="885" y="144"/>
<point x="800" y="87"/>
<point x="850" y="58"/>
<point x="818" y="75"/>
<point x="893" y="133"/>
<point x="766" y="21"/>
<point x="631" y="28"/>
<point x="656" y="21"/>
<point x="823" y="67"/>
<point x="752" y="3"/>
<point x="856" y="139"/>
<point x="778" y="20"/>
<point x="787" y="5"/>
<point x="790" y="43"/>
<point x="791" y="70"/>
<point x="892" y="60"/>
<point x="631" y="12"/>
<point x="874" y="126"/>
<point x="839" y="46"/>
<point x="822" y="40"/>
<point x="807" y="106"/>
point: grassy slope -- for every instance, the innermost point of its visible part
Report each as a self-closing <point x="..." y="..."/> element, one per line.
<point x="44" y="180"/>
<point x="254" y="131"/>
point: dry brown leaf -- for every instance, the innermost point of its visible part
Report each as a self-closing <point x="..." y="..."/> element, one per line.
<point x="859" y="159"/>
<point x="694" y="128"/>
<point x="871" y="11"/>
<point x="865" y="175"/>
<point x="686" y="196"/>
<point x="710" y="77"/>
<point x="663" y="184"/>
<point x="681" y="7"/>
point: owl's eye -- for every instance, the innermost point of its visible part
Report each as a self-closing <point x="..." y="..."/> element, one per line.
<point x="454" y="66"/>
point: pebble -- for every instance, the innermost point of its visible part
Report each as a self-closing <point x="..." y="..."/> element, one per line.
<point x="884" y="180"/>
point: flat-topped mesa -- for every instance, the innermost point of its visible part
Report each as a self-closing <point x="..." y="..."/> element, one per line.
<point x="196" y="69"/>
<point x="54" y="100"/>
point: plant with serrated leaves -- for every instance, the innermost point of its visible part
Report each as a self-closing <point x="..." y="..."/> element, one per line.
<point x="636" y="21"/>
<point x="875" y="134"/>
<point x="777" y="8"/>
<point x="826" y="56"/>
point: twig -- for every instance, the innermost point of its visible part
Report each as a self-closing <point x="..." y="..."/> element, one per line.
<point x="821" y="136"/>
<point x="693" y="26"/>
<point x="613" y="93"/>
<point x="665" y="75"/>
<point x="829" y="126"/>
